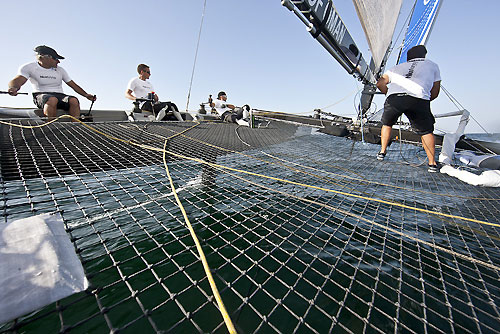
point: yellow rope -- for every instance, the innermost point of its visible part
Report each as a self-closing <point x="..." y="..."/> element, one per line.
<point x="320" y="188"/>
<point x="213" y="286"/>
<point x="361" y="179"/>
<point x="331" y="190"/>
<point x="201" y="254"/>
<point x="37" y="126"/>
<point x="348" y="213"/>
<point x="340" y="192"/>
<point x="274" y="157"/>
<point x="281" y="180"/>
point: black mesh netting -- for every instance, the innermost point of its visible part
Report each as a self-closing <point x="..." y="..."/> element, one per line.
<point x="303" y="232"/>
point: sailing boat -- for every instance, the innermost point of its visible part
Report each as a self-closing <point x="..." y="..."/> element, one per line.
<point x="378" y="19"/>
<point x="292" y="238"/>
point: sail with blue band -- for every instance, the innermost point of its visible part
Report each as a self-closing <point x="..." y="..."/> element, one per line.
<point x="421" y="22"/>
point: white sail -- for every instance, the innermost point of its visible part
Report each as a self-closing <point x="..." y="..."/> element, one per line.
<point x="378" y="19"/>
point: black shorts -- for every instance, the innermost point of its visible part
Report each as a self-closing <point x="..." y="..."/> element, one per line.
<point x="39" y="99"/>
<point x="232" y="116"/>
<point x="158" y="106"/>
<point x="417" y="110"/>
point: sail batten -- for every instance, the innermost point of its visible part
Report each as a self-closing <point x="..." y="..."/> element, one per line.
<point x="378" y="19"/>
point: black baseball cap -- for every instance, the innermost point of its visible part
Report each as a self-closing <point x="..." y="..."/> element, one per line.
<point x="47" y="51"/>
<point x="418" y="51"/>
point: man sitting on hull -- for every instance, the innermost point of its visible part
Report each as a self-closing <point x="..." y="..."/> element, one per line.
<point x="140" y="88"/>
<point x="228" y="112"/>
<point x="46" y="78"/>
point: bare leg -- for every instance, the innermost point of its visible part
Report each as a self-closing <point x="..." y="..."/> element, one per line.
<point x="161" y="114"/>
<point x="50" y="108"/>
<point x="178" y="116"/>
<point x="429" y="144"/>
<point x="176" y="113"/>
<point x="385" y="135"/>
<point x="74" y="108"/>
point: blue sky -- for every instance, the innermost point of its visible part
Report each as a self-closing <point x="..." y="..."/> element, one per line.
<point x="255" y="50"/>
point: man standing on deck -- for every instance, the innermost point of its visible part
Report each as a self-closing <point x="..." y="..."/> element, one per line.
<point x="46" y="78"/>
<point x="409" y="88"/>
<point x="141" y="88"/>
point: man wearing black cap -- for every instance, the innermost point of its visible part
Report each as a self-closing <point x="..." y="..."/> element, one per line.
<point x="228" y="112"/>
<point x="220" y="105"/>
<point x="46" y="78"/>
<point x="409" y="88"/>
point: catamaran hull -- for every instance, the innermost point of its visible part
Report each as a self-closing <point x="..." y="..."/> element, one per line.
<point x="86" y="115"/>
<point x="344" y="127"/>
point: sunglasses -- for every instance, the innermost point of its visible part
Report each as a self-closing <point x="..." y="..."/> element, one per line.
<point x="49" y="56"/>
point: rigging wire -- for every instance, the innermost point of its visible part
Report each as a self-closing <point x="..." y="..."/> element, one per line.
<point x="196" y="54"/>
<point x="422" y="161"/>
<point x="342" y="99"/>
<point x="333" y="104"/>
<point x="460" y="106"/>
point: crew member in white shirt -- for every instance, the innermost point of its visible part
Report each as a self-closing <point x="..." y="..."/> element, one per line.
<point x="46" y="78"/>
<point x="141" y="88"/>
<point x="409" y="88"/>
<point x="228" y="112"/>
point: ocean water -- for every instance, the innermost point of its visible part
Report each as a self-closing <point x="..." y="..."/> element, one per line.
<point x="491" y="137"/>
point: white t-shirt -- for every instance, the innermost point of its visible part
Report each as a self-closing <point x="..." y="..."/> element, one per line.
<point x="220" y="107"/>
<point x="45" y="79"/>
<point x="415" y="78"/>
<point x="141" y="88"/>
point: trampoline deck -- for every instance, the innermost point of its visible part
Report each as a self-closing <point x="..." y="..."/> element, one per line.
<point x="303" y="232"/>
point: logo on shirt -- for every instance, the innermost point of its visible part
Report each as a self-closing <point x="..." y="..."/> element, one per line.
<point x="410" y="71"/>
<point x="47" y="77"/>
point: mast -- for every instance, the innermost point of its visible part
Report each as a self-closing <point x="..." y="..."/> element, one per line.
<point x="378" y="19"/>
<point x="326" y="26"/>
